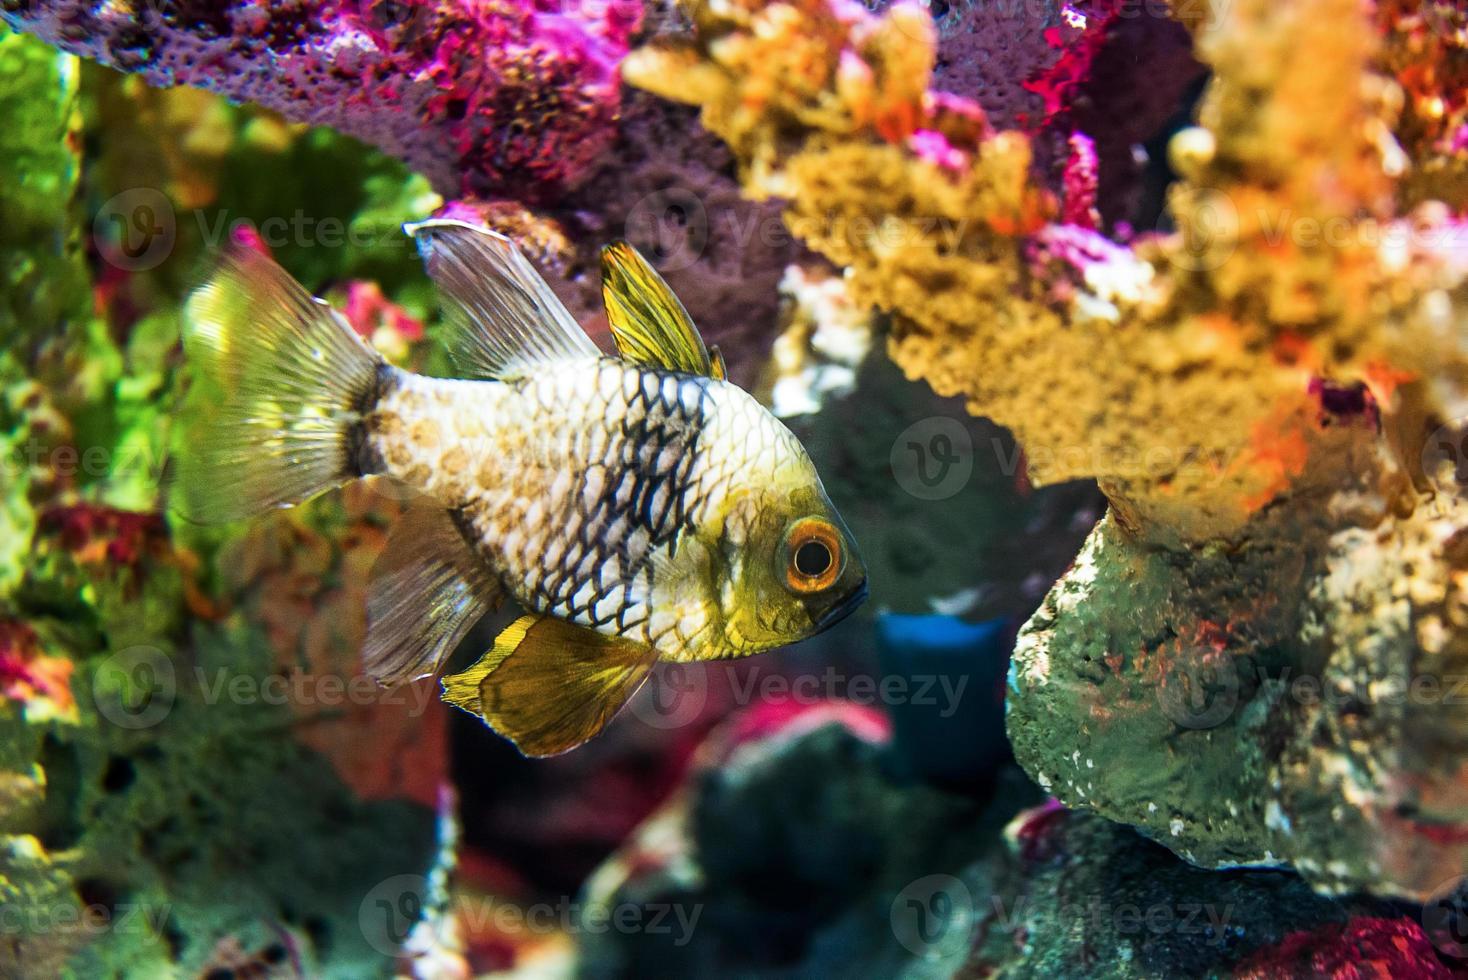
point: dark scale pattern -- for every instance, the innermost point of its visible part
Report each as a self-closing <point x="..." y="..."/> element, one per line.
<point x="645" y="502"/>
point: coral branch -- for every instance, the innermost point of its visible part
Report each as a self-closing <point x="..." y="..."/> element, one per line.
<point x="451" y="88"/>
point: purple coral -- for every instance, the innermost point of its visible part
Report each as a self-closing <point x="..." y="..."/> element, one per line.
<point x="481" y="97"/>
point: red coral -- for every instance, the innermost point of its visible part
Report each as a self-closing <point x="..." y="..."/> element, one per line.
<point x="94" y="535"/>
<point x="1079" y="39"/>
<point x="30" y="677"/>
<point x="1363" y="948"/>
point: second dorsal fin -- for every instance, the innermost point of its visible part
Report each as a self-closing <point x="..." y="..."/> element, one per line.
<point x="505" y="316"/>
<point x="649" y="323"/>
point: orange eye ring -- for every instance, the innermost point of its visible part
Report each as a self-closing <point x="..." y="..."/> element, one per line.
<point x="813" y="556"/>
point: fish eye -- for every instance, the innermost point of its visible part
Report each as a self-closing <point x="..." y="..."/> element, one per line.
<point x="812" y="555"/>
<point x="812" y="559"/>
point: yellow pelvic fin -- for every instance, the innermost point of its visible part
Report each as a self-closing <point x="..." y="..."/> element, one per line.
<point x="549" y="685"/>
<point x="649" y="323"/>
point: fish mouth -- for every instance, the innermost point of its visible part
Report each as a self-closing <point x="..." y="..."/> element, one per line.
<point x="843" y="608"/>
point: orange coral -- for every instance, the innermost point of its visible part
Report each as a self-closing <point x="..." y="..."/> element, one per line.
<point x="1151" y="369"/>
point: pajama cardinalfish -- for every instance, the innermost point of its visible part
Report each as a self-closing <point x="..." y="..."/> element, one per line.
<point x="639" y="508"/>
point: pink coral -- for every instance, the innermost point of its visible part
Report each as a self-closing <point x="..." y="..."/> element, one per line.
<point x="389" y="327"/>
<point x="1078" y="185"/>
<point x="480" y="96"/>
<point x="30" y="677"/>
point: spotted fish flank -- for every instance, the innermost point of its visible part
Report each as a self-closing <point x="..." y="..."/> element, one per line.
<point x="638" y="508"/>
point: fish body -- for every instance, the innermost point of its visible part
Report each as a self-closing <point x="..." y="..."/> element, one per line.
<point x="639" y="508"/>
<point x="597" y="490"/>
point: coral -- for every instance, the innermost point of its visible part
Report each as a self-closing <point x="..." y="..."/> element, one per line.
<point x="818" y="353"/>
<point x="1138" y="85"/>
<point x="381" y="322"/>
<point x="185" y="783"/>
<point x="1269" y="373"/>
<point x="1079" y="183"/>
<point x="856" y="873"/>
<point x="1113" y="71"/>
<point x="1363" y="947"/>
<point x="991" y="52"/>
<point x="1077" y="37"/>
<point x="40" y="683"/>
<point x="445" y="87"/>
<point x="665" y="185"/>
<point x="940" y="502"/>
<point x="1425" y="48"/>
<point x="46" y="923"/>
<point x="303" y="579"/>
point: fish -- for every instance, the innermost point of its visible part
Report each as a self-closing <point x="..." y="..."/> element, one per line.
<point x="639" y="508"/>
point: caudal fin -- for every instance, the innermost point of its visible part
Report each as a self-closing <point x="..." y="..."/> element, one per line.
<point x="280" y="382"/>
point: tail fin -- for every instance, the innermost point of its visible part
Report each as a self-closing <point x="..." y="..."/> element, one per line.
<point x="280" y="382"/>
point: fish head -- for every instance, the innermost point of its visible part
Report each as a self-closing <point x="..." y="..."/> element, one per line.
<point x="797" y="571"/>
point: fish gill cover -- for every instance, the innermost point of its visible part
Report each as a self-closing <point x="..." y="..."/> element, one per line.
<point x="1206" y="263"/>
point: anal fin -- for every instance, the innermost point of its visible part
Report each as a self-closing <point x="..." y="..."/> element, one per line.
<point x="427" y="591"/>
<point x="549" y="685"/>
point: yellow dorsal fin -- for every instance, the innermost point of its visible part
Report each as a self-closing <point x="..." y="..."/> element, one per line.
<point x="650" y="325"/>
<point x="718" y="370"/>
<point x="549" y="685"/>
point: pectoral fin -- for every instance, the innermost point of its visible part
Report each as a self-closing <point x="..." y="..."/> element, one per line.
<point x="426" y="591"/>
<point x="649" y="323"/>
<point x="548" y="685"/>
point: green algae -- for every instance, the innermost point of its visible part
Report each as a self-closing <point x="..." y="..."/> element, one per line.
<point x="161" y="817"/>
